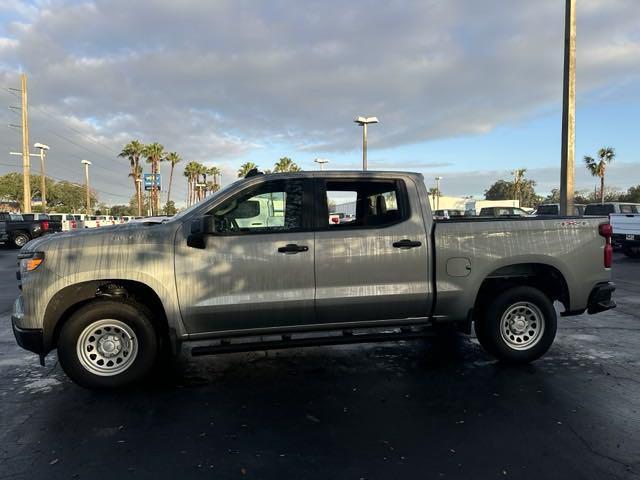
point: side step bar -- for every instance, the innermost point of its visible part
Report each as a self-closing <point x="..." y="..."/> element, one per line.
<point x="289" y="341"/>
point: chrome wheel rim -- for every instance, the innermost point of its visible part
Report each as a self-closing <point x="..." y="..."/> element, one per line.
<point x="20" y="240"/>
<point x="107" y="347"/>
<point x="522" y="326"/>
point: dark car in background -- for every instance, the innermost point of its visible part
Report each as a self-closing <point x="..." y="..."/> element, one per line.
<point x="16" y="231"/>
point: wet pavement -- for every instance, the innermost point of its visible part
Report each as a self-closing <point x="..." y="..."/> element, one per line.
<point x="438" y="408"/>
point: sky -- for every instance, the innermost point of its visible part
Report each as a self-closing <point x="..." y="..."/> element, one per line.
<point x="465" y="90"/>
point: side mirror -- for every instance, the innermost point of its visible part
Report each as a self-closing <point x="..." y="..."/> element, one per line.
<point x="200" y="228"/>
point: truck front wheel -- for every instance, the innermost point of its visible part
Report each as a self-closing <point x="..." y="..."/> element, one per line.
<point x="108" y="344"/>
<point x="518" y="326"/>
<point x="20" y="239"/>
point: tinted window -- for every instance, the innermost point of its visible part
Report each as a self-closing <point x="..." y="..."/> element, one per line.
<point x="547" y="210"/>
<point x="373" y="203"/>
<point x="56" y="218"/>
<point x="628" y="208"/>
<point x="269" y="207"/>
<point x="603" y="210"/>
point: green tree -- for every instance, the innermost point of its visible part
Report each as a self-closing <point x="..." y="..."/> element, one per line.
<point x="133" y="151"/>
<point x="598" y="167"/>
<point x="632" y="195"/>
<point x="503" y="190"/>
<point x="246" y="168"/>
<point x="518" y="179"/>
<point x="170" y="208"/>
<point x="173" y="158"/>
<point x="215" y="172"/>
<point x="154" y="154"/>
<point x="285" y="164"/>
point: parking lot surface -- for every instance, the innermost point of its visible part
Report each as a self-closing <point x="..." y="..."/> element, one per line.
<point x="439" y="408"/>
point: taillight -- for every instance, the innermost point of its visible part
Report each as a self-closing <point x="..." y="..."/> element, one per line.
<point x="73" y="224"/>
<point x="45" y="225"/>
<point x="606" y="230"/>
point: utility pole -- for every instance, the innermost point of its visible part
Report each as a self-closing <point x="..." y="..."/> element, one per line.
<point x="438" y="192"/>
<point x="567" y="163"/>
<point x="26" y="162"/>
<point x="86" y="164"/>
<point x="139" y="195"/>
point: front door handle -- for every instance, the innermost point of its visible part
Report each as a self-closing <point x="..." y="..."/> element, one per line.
<point x="406" y="244"/>
<point x="293" y="248"/>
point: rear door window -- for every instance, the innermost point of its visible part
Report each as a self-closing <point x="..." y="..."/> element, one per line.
<point x="600" y="209"/>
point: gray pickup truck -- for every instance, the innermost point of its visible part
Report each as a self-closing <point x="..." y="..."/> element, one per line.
<point x="258" y="266"/>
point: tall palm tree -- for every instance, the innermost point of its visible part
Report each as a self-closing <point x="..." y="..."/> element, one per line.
<point x="215" y="172"/>
<point x="285" y="164"/>
<point x="133" y="151"/>
<point x="154" y="153"/>
<point x="246" y="168"/>
<point x="191" y="171"/>
<point x="173" y="158"/>
<point x="598" y="167"/>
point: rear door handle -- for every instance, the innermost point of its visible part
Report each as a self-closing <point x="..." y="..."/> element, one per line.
<point x="406" y="244"/>
<point x="293" y="248"/>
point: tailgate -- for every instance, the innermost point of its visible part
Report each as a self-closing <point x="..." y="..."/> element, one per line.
<point x="625" y="223"/>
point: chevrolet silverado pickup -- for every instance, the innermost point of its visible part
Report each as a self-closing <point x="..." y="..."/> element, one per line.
<point x="259" y="265"/>
<point x="626" y="232"/>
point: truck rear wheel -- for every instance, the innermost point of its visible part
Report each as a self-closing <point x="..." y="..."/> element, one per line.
<point x="518" y="326"/>
<point x="108" y="344"/>
<point x="631" y="252"/>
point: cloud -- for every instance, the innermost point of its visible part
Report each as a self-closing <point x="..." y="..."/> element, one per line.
<point x="216" y="81"/>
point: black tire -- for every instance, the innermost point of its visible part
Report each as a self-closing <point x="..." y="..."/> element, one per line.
<point x="135" y="317"/>
<point x="527" y="330"/>
<point x="20" y="239"/>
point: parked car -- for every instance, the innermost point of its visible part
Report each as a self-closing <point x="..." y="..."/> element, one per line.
<point x="446" y="214"/>
<point x="553" y="209"/>
<point x="16" y="231"/>
<point x="94" y="221"/>
<point x="607" y="208"/>
<point x="503" y="212"/>
<point x="626" y="232"/>
<point x="206" y="282"/>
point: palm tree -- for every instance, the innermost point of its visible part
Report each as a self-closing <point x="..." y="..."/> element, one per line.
<point x="246" y="168"/>
<point x="212" y="187"/>
<point x="174" y="159"/>
<point x="190" y="171"/>
<point x="215" y="172"/>
<point x="133" y="151"/>
<point x="154" y="154"/>
<point x="598" y="167"/>
<point x="285" y="164"/>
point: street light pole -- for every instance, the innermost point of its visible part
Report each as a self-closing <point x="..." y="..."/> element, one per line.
<point x="43" y="187"/>
<point x="322" y="162"/>
<point x="86" y="164"/>
<point x="363" y="122"/>
<point x="139" y="195"/>
<point x="567" y="161"/>
<point x="438" y="192"/>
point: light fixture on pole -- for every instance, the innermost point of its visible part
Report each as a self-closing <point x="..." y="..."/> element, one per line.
<point x="43" y="187"/>
<point x="322" y="162"/>
<point x="363" y="122"/>
<point x="438" y="192"/>
<point x="86" y="164"/>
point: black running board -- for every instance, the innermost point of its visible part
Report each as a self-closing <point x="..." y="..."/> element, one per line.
<point x="287" y="341"/>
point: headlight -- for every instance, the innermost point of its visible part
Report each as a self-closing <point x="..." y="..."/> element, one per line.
<point x="30" y="261"/>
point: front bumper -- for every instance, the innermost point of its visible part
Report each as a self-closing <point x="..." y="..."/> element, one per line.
<point x="31" y="339"/>
<point x="600" y="298"/>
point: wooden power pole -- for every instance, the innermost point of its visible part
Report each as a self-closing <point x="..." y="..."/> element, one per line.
<point x="567" y="166"/>
<point x="26" y="162"/>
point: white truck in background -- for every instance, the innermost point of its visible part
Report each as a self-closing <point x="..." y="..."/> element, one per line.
<point x="626" y="232"/>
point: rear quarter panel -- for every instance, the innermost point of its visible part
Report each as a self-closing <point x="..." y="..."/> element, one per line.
<point x="572" y="246"/>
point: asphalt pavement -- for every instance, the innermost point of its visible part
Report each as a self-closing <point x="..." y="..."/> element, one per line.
<point x="440" y="408"/>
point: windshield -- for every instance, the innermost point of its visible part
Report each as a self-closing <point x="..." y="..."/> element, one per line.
<point x="193" y="207"/>
<point x="547" y="210"/>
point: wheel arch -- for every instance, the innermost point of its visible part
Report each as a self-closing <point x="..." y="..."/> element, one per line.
<point x="543" y="276"/>
<point x="69" y="299"/>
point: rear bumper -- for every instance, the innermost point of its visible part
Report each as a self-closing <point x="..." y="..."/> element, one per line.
<point x="600" y="298"/>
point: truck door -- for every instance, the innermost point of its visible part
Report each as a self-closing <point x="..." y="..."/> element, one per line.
<point x="257" y="270"/>
<point x="373" y="264"/>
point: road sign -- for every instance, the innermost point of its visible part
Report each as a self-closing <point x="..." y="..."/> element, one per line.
<point x="148" y="181"/>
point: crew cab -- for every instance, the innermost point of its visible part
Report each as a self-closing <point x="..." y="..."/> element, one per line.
<point x="224" y="275"/>
<point x="17" y="231"/>
<point x="503" y="212"/>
